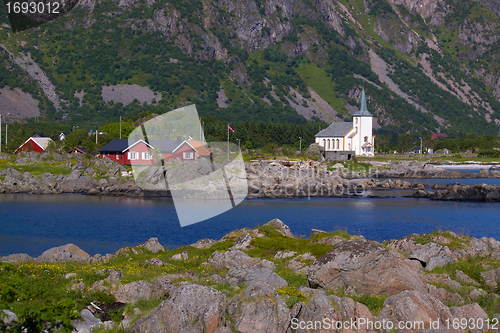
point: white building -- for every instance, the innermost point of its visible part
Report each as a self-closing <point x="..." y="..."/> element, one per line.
<point x="341" y="141"/>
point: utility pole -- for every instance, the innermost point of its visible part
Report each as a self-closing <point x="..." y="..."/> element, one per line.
<point x="421" y="153"/>
<point x="6" y="136"/>
<point x="120" y="127"/>
<point x="0" y="133"/>
<point x="96" y="133"/>
<point x="300" y="144"/>
<point x="239" y="141"/>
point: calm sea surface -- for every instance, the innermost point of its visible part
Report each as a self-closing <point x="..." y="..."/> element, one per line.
<point x="33" y="223"/>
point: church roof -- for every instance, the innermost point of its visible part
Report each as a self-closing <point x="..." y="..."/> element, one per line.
<point x="336" y="130"/>
<point x="363" y="111"/>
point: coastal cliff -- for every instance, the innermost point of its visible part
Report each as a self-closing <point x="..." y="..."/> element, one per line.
<point x="264" y="279"/>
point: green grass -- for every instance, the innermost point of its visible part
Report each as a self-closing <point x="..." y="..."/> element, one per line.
<point x="318" y="79"/>
<point x="454" y="242"/>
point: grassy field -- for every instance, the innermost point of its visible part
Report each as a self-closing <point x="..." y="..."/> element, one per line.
<point x="54" y="167"/>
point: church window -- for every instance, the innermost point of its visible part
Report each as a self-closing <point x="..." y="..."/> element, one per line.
<point x="324" y="143"/>
<point x="328" y="144"/>
<point x="356" y="120"/>
<point x="366" y="139"/>
<point x="338" y="142"/>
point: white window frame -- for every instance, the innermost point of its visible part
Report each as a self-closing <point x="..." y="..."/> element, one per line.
<point x="146" y="155"/>
<point x="133" y="155"/>
<point x="188" y="155"/>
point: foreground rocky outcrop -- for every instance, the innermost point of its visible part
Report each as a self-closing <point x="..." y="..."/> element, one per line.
<point x="236" y="285"/>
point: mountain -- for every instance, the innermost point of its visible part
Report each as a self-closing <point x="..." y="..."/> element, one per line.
<point x="427" y="66"/>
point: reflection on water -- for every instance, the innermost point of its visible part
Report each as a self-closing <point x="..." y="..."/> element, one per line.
<point x="32" y="223"/>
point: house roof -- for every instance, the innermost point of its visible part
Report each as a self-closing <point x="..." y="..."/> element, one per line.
<point x="80" y="149"/>
<point x="180" y="145"/>
<point x="416" y="148"/>
<point x="41" y="142"/>
<point x="336" y="130"/>
<point x="200" y="148"/>
<point x="363" y="111"/>
<point x="165" y="146"/>
<point x="117" y="145"/>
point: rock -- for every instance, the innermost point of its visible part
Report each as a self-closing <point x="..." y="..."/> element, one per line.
<point x="69" y="275"/>
<point x="445" y="296"/>
<point x="442" y="279"/>
<point x="203" y="243"/>
<point x="161" y="287"/>
<point x="476" y="294"/>
<point x="351" y="309"/>
<point x="16" y="257"/>
<point x="8" y="317"/>
<point x="68" y="252"/>
<point x="335" y="240"/>
<point x="405" y="244"/>
<point x="230" y="259"/>
<point x="134" y="291"/>
<point x="87" y="323"/>
<point x="155" y="262"/>
<point x="470" y="312"/>
<point x="180" y="256"/>
<point x="491" y="278"/>
<point x="190" y="308"/>
<point x="440" y="261"/>
<point x="242" y="243"/>
<point x="428" y="251"/>
<point x="284" y="255"/>
<point x="268" y="264"/>
<point x="465" y="279"/>
<point x="367" y="266"/>
<point x="259" y="309"/>
<point x="414" y="306"/>
<point x="314" y="232"/>
<point x="251" y="273"/>
<point x="479" y="246"/>
<point x="74" y="175"/>
<point x="281" y="227"/>
<point x="152" y="245"/>
<point x="318" y="308"/>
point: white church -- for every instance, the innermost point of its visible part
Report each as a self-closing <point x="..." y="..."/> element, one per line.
<point x="343" y="140"/>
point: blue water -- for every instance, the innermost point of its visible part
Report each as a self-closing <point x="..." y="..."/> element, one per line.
<point x="32" y="224"/>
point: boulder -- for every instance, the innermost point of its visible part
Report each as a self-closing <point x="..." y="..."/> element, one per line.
<point x="465" y="279"/>
<point x="161" y="287"/>
<point x="152" y="245"/>
<point x="367" y="266"/>
<point x="491" y="278"/>
<point x="251" y="273"/>
<point x="134" y="291"/>
<point x="242" y="243"/>
<point x="318" y="308"/>
<point x="8" y="317"/>
<point x="231" y="259"/>
<point x="281" y="227"/>
<point x="16" y="257"/>
<point x="180" y="256"/>
<point x="68" y="252"/>
<point x="445" y="296"/>
<point x="405" y="244"/>
<point x="443" y="279"/>
<point x="439" y="261"/>
<point x="415" y="307"/>
<point x="87" y="323"/>
<point x="431" y="250"/>
<point x="155" y="262"/>
<point x="470" y="311"/>
<point x="352" y="310"/>
<point x="203" y="243"/>
<point x="191" y="308"/>
<point x="314" y="232"/>
<point x="259" y="309"/>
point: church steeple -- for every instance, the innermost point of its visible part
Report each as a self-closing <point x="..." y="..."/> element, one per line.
<point x="363" y="111"/>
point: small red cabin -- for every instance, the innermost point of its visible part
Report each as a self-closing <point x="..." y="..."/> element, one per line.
<point x="36" y="144"/>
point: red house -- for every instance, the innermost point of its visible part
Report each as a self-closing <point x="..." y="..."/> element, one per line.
<point x="36" y="144"/>
<point x="143" y="153"/>
<point x="439" y="135"/>
<point x="119" y="150"/>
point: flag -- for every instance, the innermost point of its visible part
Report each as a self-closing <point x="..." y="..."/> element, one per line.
<point x="230" y="128"/>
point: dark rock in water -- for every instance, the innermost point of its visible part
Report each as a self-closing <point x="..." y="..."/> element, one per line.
<point x="367" y="266"/>
<point x="190" y="308"/>
<point x="457" y="192"/>
<point x="152" y="245"/>
<point x="68" y="252"/>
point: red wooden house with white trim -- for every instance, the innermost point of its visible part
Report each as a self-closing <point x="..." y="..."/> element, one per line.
<point x="36" y="144"/>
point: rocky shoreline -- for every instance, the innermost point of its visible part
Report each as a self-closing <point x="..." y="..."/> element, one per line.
<point x="278" y="179"/>
<point x="240" y="284"/>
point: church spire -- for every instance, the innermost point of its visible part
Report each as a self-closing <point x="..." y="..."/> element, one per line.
<point x="363" y="111"/>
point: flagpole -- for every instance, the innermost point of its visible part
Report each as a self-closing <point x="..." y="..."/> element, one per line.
<point x="228" y="141"/>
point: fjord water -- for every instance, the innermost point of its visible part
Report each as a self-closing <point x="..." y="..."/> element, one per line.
<point x="98" y="224"/>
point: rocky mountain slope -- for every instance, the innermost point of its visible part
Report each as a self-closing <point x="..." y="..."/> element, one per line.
<point x="427" y="66"/>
